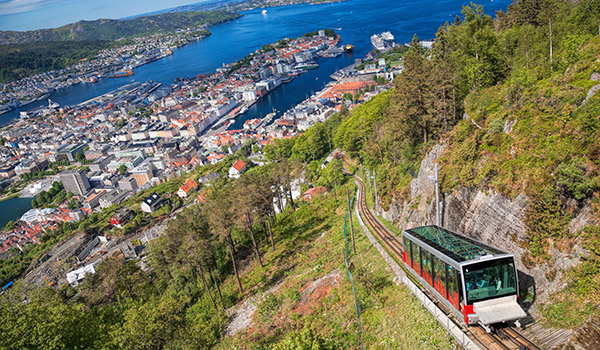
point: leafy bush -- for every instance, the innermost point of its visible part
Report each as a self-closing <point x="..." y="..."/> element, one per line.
<point x="304" y="340"/>
<point x="544" y="218"/>
<point x="496" y="126"/>
<point x="572" y="178"/>
<point x="268" y="307"/>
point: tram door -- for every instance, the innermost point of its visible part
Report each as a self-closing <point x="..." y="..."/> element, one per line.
<point x="453" y="287"/>
<point x="426" y="273"/>
<point x="407" y="251"/>
<point x="416" y="261"/>
<point x="440" y="282"/>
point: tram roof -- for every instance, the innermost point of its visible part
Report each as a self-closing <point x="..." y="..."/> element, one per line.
<point x="456" y="246"/>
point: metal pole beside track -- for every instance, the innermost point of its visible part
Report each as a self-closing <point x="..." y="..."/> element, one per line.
<point x="437" y="197"/>
<point x="376" y="199"/>
<point x="350" y="217"/>
<point x="454" y="330"/>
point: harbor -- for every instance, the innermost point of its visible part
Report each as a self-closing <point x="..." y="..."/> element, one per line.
<point x="207" y="54"/>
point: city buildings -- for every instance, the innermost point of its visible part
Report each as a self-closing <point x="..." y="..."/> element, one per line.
<point x="75" y="181"/>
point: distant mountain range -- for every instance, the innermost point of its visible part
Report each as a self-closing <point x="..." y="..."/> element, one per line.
<point x="114" y="29"/>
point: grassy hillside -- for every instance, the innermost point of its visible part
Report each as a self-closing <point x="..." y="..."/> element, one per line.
<point x="297" y="296"/>
<point x="512" y="99"/>
<point x="542" y="141"/>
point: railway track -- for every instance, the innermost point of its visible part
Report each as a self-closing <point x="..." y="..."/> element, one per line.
<point x="501" y="338"/>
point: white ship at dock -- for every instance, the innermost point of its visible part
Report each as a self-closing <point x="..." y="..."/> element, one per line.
<point x="383" y="42"/>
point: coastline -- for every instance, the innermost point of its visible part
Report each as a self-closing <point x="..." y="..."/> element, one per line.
<point x="270" y="4"/>
<point x="54" y="89"/>
<point x="14" y="195"/>
<point x="81" y="79"/>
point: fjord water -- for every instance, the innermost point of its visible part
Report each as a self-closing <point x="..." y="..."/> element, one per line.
<point x="354" y="20"/>
<point x="12" y="209"/>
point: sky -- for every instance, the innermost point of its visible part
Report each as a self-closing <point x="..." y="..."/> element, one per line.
<point x="38" y="14"/>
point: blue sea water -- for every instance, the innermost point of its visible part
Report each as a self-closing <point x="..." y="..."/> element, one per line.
<point x="354" y="20"/>
<point x="13" y="209"/>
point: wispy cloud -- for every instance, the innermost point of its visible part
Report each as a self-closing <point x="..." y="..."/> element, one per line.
<point x="8" y="7"/>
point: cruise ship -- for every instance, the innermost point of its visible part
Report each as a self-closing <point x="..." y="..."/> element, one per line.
<point x="383" y="41"/>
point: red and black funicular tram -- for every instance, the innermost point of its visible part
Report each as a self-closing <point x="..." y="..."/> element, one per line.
<point x="476" y="281"/>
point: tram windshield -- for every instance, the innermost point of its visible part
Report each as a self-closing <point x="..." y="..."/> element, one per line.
<point x="490" y="279"/>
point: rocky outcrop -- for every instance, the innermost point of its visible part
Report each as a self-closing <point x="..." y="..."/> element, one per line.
<point x="594" y="77"/>
<point x="587" y="337"/>
<point x="488" y="217"/>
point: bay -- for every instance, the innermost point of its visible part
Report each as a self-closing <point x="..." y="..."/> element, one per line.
<point x="354" y="20"/>
<point x="12" y="209"/>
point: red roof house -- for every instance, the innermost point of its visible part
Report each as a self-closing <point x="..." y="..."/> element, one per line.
<point x="313" y="192"/>
<point x="237" y="169"/>
<point x="186" y="188"/>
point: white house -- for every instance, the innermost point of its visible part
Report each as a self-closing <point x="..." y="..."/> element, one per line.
<point x="151" y="203"/>
<point x="237" y="169"/>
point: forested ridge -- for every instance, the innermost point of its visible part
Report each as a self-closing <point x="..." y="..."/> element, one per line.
<point x="20" y="60"/>
<point x="508" y="96"/>
<point x="31" y="52"/>
<point x="114" y="29"/>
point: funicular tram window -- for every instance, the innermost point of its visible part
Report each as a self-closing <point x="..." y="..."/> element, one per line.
<point x="490" y="279"/>
<point x="414" y="256"/>
<point x="420" y="261"/>
<point x="406" y="247"/>
<point x="440" y="277"/>
<point x="426" y="273"/>
<point x="453" y="287"/>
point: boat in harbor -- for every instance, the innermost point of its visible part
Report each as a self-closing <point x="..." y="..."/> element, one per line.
<point x="307" y="66"/>
<point x="331" y="52"/>
<point x="268" y="117"/>
<point x="121" y="74"/>
<point x="349" y="48"/>
<point x="286" y="79"/>
<point x="52" y="104"/>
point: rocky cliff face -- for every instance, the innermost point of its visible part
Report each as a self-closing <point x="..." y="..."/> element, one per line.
<point x="490" y="218"/>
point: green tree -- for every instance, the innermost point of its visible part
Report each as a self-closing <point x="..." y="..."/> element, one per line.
<point x="74" y="204"/>
<point x="122" y="169"/>
<point x="332" y="176"/>
<point x="197" y="247"/>
<point x="10" y="226"/>
<point x="247" y="209"/>
<point x="544" y="217"/>
<point x="48" y="321"/>
<point x="219" y="207"/>
<point x="80" y="157"/>
<point x="279" y="149"/>
<point x="150" y="325"/>
<point x="572" y="178"/>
